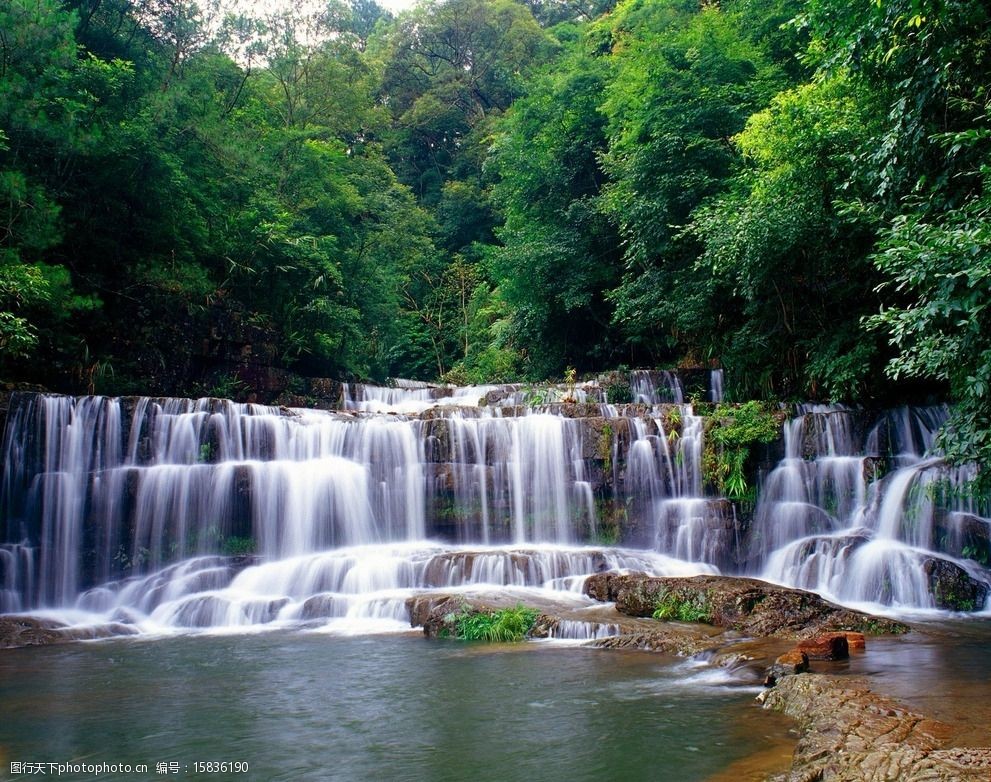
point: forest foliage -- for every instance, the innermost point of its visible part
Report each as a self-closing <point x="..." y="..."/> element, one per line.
<point x="483" y="190"/>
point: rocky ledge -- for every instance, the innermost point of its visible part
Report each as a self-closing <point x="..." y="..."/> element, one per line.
<point x="735" y="620"/>
<point x="744" y="605"/>
<point x="18" y="631"/>
<point x="851" y="734"/>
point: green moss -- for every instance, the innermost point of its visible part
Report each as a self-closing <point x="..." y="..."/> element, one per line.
<point x="237" y="546"/>
<point x="881" y="627"/>
<point x="605" y="448"/>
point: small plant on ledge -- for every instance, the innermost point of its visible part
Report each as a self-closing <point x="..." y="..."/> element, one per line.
<point x="505" y="625"/>
<point x="731" y="432"/>
<point x="673" y="606"/>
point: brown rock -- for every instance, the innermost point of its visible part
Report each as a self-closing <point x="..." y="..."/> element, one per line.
<point x="850" y="734"/>
<point x="746" y="605"/>
<point x="788" y="664"/>
<point x="18" y="631"/>
<point x="856" y="641"/>
<point x="828" y="646"/>
<point x="795" y="661"/>
<point x="27" y="631"/>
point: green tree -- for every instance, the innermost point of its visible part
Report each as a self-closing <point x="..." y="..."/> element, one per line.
<point x="928" y="65"/>
<point x="560" y="254"/>
<point x="686" y="80"/>
<point x="793" y="263"/>
<point x="50" y="115"/>
<point x="942" y="261"/>
<point x="449" y="66"/>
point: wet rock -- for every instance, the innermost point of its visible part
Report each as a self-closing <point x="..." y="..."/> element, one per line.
<point x="704" y="529"/>
<point x="264" y="611"/>
<point x="434" y="613"/>
<point x="205" y="611"/>
<point x="126" y="616"/>
<point x="604" y="586"/>
<point x="454" y="567"/>
<point x="850" y="734"/>
<point x="828" y="646"/>
<point x="437" y="438"/>
<point x="787" y="664"/>
<point x="440" y="477"/>
<point x="875" y="468"/>
<point x="322" y="607"/>
<point x="856" y="642"/>
<point x="669" y="643"/>
<point x="328" y="393"/>
<point x="545" y="626"/>
<point x="241" y="562"/>
<point x="496" y="396"/>
<point x="747" y="605"/>
<point x="93" y="632"/>
<point x="952" y="587"/>
<point x="439" y="614"/>
<point x="18" y="631"/>
<point x="965" y="536"/>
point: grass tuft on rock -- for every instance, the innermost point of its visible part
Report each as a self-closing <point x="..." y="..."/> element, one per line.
<point x="673" y="606"/>
<point x="506" y="625"/>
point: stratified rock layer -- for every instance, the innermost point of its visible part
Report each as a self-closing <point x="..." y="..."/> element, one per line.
<point x="16" y="631"/>
<point x="850" y="734"/>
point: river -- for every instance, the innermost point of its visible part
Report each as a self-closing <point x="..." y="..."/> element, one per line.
<point x="313" y="706"/>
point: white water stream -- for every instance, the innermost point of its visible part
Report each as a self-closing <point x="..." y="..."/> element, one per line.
<point x="172" y="513"/>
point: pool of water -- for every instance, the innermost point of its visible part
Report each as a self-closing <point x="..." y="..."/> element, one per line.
<point x="940" y="669"/>
<point x="307" y="706"/>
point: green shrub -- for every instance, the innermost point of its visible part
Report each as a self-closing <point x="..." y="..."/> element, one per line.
<point x="507" y="625"/>
<point x="619" y="393"/>
<point x="672" y="606"/>
<point x="730" y="434"/>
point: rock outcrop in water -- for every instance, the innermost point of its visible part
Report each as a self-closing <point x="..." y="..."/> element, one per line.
<point x="952" y="587"/>
<point x="17" y="631"/>
<point x="746" y="605"/>
<point x="746" y="623"/>
<point x="850" y="734"/>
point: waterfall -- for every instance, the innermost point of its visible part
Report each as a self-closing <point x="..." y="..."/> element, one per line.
<point x="177" y="513"/>
<point x="828" y="523"/>
<point x="206" y="513"/>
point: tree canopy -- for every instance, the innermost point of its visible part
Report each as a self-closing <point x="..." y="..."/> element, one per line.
<point x="493" y="190"/>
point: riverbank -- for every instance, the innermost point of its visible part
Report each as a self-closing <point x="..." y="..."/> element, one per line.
<point x="849" y="733"/>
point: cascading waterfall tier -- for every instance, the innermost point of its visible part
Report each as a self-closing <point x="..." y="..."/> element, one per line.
<point x="872" y="516"/>
<point x="175" y="513"/>
<point x="207" y="513"/>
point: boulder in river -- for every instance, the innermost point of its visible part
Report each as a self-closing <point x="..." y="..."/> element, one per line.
<point x="828" y="646"/>
<point x="17" y="631"/>
<point x="952" y="587"/>
<point x="753" y="607"/>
